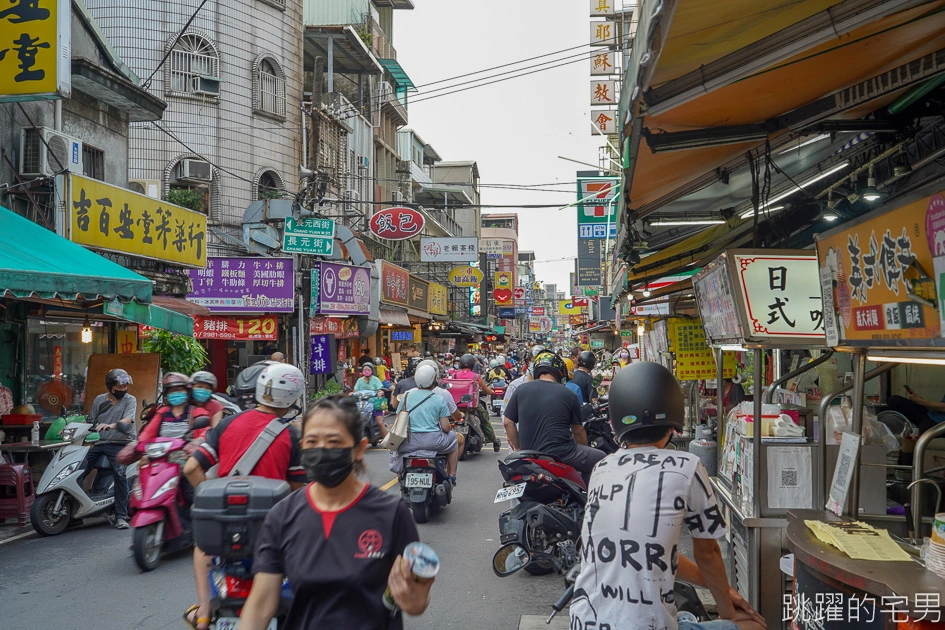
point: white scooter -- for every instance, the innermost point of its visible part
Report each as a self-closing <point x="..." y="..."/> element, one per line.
<point x="59" y="495"/>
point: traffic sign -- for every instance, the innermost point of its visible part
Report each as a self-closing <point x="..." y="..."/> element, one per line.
<point x="309" y="236"/>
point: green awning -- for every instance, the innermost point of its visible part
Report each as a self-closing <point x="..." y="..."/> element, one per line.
<point x="499" y="330"/>
<point x="151" y="315"/>
<point x="35" y="262"/>
<point x="400" y="75"/>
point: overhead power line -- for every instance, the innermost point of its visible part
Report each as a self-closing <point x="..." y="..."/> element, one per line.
<point x="505" y="65"/>
<point x="170" y="49"/>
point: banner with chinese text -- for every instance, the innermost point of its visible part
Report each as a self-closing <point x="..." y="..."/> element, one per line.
<point x="236" y="328"/>
<point x="339" y="328"/>
<point x="394" y="281"/>
<point x="244" y="285"/>
<point x="695" y="361"/>
<point x="438" y="299"/>
<point x="36" y="51"/>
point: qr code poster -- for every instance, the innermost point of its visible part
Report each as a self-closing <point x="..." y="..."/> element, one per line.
<point x="843" y="472"/>
<point x="789" y="478"/>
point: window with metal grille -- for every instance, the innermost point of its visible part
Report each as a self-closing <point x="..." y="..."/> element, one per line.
<point x="269" y="186"/>
<point x="271" y="88"/>
<point x="93" y="162"/>
<point x="194" y="67"/>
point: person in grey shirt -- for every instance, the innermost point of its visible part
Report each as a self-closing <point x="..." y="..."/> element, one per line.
<point x="112" y="416"/>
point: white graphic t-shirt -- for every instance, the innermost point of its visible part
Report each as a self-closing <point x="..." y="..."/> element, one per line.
<point x="638" y="501"/>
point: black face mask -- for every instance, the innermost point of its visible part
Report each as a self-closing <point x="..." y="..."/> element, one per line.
<point x="119" y="394"/>
<point x="327" y="466"/>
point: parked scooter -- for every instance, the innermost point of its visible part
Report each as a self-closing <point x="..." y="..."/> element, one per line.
<point x="59" y="495"/>
<point x="160" y="518"/>
<point x="600" y="433"/>
<point x="546" y="521"/>
<point x="425" y="485"/>
<point x="366" y="407"/>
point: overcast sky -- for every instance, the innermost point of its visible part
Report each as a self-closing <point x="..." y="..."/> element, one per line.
<point x="514" y="129"/>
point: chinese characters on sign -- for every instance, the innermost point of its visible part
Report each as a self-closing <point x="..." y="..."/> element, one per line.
<point x="602" y="8"/>
<point x="320" y="359"/>
<point x="35" y="49"/>
<point x="602" y="63"/>
<point x="602" y="92"/>
<point x="604" y="122"/>
<point x="340" y="289"/>
<point x="309" y="236"/>
<point x="445" y="249"/>
<point x="437" y="301"/>
<point x="339" y="328"/>
<point x="492" y="246"/>
<point x="244" y="285"/>
<point x="113" y="219"/>
<point x="603" y="33"/>
<point x="396" y="224"/>
<point x="394" y="281"/>
<point x="465" y="276"/>
<point x="695" y="361"/>
<point x="781" y="295"/>
<point x="418" y="293"/>
<point x="238" y="328"/>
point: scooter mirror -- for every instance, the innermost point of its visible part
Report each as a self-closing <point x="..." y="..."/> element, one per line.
<point x="509" y="559"/>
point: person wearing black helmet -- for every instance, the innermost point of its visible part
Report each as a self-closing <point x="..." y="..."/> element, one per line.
<point x="582" y="375"/>
<point x="543" y="415"/>
<point x="664" y="490"/>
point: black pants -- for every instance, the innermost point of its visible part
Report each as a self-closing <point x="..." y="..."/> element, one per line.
<point x="916" y="413"/>
<point x="110" y="450"/>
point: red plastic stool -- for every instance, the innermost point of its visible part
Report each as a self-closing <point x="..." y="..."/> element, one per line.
<point x="16" y="492"/>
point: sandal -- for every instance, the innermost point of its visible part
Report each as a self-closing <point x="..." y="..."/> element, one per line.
<point x="195" y="621"/>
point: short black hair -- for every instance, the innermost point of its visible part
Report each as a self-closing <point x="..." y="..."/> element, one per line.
<point x="646" y="435"/>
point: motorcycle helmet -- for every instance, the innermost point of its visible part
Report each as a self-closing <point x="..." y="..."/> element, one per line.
<point x="204" y="377"/>
<point x="117" y="377"/>
<point x="426" y="375"/>
<point x="367" y="367"/>
<point x="587" y="359"/>
<point x="500" y="359"/>
<point x="536" y="350"/>
<point x="176" y="379"/>
<point x="549" y="363"/>
<point x="494" y="363"/>
<point x="645" y="394"/>
<point x="467" y="362"/>
<point x="378" y="361"/>
<point x="279" y="386"/>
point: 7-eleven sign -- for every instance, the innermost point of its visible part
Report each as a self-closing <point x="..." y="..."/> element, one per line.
<point x="600" y="207"/>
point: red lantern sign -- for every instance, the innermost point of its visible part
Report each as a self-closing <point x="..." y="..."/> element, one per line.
<point x="397" y="224"/>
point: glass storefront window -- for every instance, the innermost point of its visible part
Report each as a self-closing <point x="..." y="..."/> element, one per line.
<point x="57" y="362"/>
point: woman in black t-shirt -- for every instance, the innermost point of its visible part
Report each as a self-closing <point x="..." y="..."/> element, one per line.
<point x="338" y="539"/>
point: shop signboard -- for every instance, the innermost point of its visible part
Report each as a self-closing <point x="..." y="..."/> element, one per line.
<point x="309" y="236"/>
<point x="695" y="361"/>
<point x="244" y="285"/>
<point x="602" y="92"/>
<point x="602" y="63"/>
<point x="537" y="310"/>
<point x="465" y="276"/>
<point x="320" y="358"/>
<point x="596" y="217"/>
<point x="503" y="297"/>
<point x="577" y="320"/>
<point x="340" y="289"/>
<point x="448" y="249"/>
<point x="117" y="220"/>
<point x="659" y="308"/>
<point x="534" y="325"/>
<point x="36" y="53"/>
<point x="437" y="299"/>
<point x="593" y="291"/>
<point x="779" y="295"/>
<point x="396" y="224"/>
<point x="264" y="327"/>
<point x="519" y="294"/>
<point x="589" y="269"/>
<point x="401" y="335"/>
<point x="491" y="246"/>
<point x="419" y="293"/>
<point x="882" y="278"/>
<point x="339" y="328"/>
<point x="716" y="302"/>
<point x="568" y="307"/>
<point x="503" y="292"/>
<point x="506" y="313"/>
<point x="127" y="344"/>
<point x="394" y="283"/>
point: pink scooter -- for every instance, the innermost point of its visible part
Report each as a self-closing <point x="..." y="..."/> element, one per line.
<point x="158" y="503"/>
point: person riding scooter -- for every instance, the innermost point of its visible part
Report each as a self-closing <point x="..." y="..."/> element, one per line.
<point x="369" y="382"/>
<point x="204" y="384"/>
<point x="174" y="419"/>
<point x="467" y="364"/>
<point x="113" y="416"/>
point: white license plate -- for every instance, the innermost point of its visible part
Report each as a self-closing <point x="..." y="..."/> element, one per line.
<point x="231" y="623"/>
<point x="462" y="430"/>
<point x="509" y="492"/>
<point x="419" y="480"/>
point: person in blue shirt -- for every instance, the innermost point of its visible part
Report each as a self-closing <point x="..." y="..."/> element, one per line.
<point x="369" y="382"/>
<point x="577" y="391"/>
<point x="924" y="414"/>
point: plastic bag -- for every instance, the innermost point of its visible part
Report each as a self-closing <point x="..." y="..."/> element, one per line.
<point x="876" y="433"/>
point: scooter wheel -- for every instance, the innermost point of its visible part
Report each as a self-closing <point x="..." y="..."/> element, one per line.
<point x="44" y="521"/>
<point x="147" y="547"/>
<point x="539" y="568"/>
<point x="421" y="512"/>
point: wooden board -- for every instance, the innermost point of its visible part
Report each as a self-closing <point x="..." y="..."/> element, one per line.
<point x="145" y="371"/>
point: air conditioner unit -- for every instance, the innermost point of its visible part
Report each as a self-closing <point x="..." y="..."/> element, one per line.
<point x="386" y="92"/>
<point x="397" y="196"/>
<point x="349" y="197"/>
<point x="196" y="169"/>
<point x="209" y="86"/>
<point x="64" y="152"/>
<point x="149" y="187"/>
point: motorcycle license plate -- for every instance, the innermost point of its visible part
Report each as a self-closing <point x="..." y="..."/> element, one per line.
<point x="510" y="492"/>
<point x="463" y="430"/>
<point x="419" y="480"/>
<point x="231" y="623"/>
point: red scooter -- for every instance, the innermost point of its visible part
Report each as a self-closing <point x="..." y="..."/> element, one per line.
<point x="159" y="516"/>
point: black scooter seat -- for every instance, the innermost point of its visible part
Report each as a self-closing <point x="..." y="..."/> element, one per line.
<point x="532" y="455"/>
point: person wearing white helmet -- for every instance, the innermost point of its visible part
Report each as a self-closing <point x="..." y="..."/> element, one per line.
<point x="430" y="429"/>
<point x="279" y="388"/>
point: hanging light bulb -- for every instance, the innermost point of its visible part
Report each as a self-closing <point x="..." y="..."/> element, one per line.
<point x="870" y="193"/>
<point x="86" y="331"/>
<point x="641" y="329"/>
<point x="646" y="290"/>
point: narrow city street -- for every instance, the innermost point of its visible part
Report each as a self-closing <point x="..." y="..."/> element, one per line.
<point x="86" y="578"/>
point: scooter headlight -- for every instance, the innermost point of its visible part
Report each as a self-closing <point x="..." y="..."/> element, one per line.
<point x="156" y="450"/>
<point x="65" y="472"/>
<point x="167" y="486"/>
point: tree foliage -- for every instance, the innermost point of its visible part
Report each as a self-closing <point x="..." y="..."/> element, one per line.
<point x="178" y="352"/>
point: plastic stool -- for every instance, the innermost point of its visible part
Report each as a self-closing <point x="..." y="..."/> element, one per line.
<point x="16" y="492"/>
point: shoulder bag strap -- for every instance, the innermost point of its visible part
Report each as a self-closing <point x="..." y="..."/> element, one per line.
<point x="421" y="402"/>
<point x="258" y="448"/>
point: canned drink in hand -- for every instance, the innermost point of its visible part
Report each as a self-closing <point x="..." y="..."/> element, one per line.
<point x="424" y="565"/>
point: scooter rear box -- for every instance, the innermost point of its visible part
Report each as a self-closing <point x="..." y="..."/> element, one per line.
<point x="459" y="388"/>
<point x="228" y="513"/>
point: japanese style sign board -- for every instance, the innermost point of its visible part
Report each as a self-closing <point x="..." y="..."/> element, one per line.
<point x="35" y="50"/>
<point x="309" y="236"/>
<point x="597" y="210"/>
<point x="244" y="285"/>
<point x="340" y="289"/>
<point x="437" y="249"/>
<point x="394" y="284"/>
<point x="758" y="296"/>
<point x="113" y="219"/>
<point x="265" y="327"/>
<point x="397" y="224"/>
<point x="883" y="279"/>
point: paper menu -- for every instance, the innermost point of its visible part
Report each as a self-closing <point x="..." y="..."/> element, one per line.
<point x="859" y="540"/>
